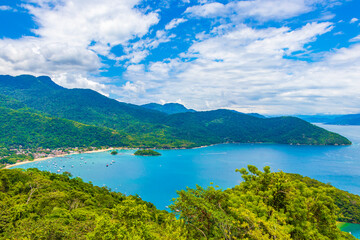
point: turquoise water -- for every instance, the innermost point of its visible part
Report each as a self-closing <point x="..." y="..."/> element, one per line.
<point x="354" y="229"/>
<point x="156" y="179"/>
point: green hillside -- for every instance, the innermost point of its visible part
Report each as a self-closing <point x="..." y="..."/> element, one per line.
<point x="168" y="108"/>
<point x="43" y="205"/>
<point x="150" y="128"/>
<point x="31" y="130"/>
<point x="228" y="126"/>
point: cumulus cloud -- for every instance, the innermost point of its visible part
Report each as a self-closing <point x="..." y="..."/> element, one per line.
<point x="355" y="39"/>
<point x="354" y="20"/>
<point x="71" y="36"/>
<point x="138" y="51"/>
<point x="246" y="69"/>
<point x="258" y="9"/>
<point x="174" y="23"/>
<point x="233" y="65"/>
<point x="208" y="10"/>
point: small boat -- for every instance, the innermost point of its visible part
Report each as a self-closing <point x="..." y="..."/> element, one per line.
<point x="107" y="165"/>
<point x="72" y="166"/>
<point x="58" y="170"/>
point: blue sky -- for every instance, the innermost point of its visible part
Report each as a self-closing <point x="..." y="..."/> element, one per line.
<point x="266" y="56"/>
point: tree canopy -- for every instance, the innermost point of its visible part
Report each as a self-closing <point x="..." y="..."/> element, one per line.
<point x="266" y="205"/>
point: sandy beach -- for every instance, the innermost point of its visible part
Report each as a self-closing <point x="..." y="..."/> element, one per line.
<point x="62" y="155"/>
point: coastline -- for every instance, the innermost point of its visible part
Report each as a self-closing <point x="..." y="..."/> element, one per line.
<point x="62" y="155"/>
<point x="127" y="148"/>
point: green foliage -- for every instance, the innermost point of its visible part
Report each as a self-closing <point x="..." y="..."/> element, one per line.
<point x="265" y="206"/>
<point x="31" y="130"/>
<point x="114" y="153"/>
<point x="146" y="152"/>
<point x="153" y="129"/>
<point x="168" y="108"/>
<point x="13" y="158"/>
<point x="348" y="204"/>
<point x="41" y="205"/>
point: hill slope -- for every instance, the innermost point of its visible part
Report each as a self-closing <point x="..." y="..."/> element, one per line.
<point x="43" y="205"/>
<point x="156" y="129"/>
<point x="31" y="130"/>
<point x="229" y="126"/>
<point x="168" y="108"/>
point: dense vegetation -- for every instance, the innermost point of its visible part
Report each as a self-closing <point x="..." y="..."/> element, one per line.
<point x="228" y="126"/>
<point x="114" y="152"/>
<point x="150" y="128"/>
<point x="168" y="108"/>
<point x="349" y="204"/>
<point x="146" y="152"/>
<point x="31" y="130"/>
<point x="42" y="205"/>
<point x="11" y="157"/>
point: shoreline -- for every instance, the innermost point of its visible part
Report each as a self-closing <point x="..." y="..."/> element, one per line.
<point x="126" y="148"/>
<point x="61" y="155"/>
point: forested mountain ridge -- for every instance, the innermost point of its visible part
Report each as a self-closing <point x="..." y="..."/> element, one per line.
<point x="32" y="130"/>
<point x="229" y="126"/>
<point x="168" y="108"/>
<point x="43" y="205"/>
<point x="150" y="128"/>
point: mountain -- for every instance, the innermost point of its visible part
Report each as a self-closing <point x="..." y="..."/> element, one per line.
<point x="318" y="118"/>
<point x="256" y="115"/>
<point x="89" y="107"/>
<point x="350" y="119"/>
<point x="32" y="130"/>
<point x="168" y="108"/>
<point x="151" y="128"/>
<point x="229" y="126"/>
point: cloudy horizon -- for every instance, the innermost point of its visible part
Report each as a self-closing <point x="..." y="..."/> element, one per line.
<point x="264" y="56"/>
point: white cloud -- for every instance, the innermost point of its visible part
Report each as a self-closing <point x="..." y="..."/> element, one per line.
<point x="70" y="36"/>
<point x="208" y="10"/>
<point x="138" y="51"/>
<point x="354" y="20"/>
<point x="5" y="8"/>
<point x="355" y="39"/>
<point x="174" y="23"/>
<point x="262" y="10"/>
<point x="246" y="69"/>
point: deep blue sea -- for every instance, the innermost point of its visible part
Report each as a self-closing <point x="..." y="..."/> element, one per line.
<point x="156" y="179"/>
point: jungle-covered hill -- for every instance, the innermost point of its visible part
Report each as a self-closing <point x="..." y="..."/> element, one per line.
<point x="151" y="128"/>
<point x="43" y="205"/>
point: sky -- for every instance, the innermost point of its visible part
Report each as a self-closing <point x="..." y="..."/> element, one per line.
<point x="264" y="56"/>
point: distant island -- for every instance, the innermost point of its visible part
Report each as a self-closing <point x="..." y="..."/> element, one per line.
<point x="147" y="152"/>
<point x="114" y="153"/>
<point x="349" y="119"/>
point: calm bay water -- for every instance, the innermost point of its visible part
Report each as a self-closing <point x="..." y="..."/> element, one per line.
<point x="156" y="179"/>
